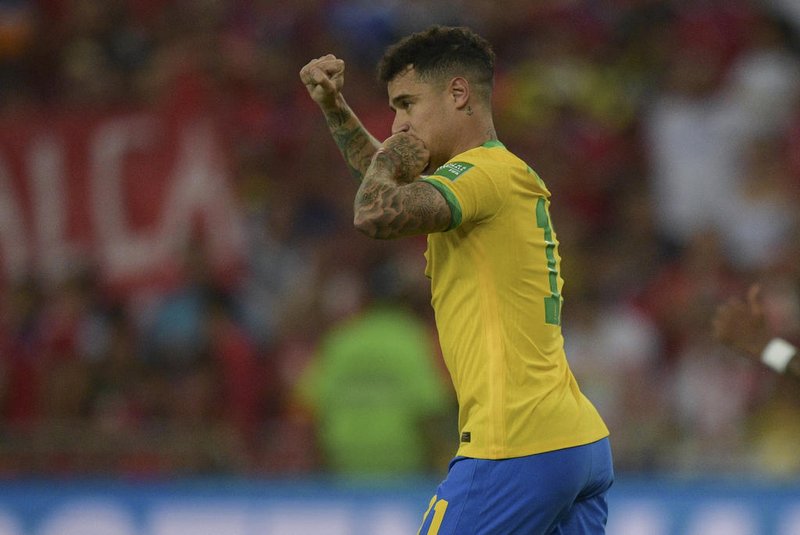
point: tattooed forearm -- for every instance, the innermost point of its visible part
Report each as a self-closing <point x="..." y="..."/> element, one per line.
<point x="385" y="209"/>
<point x="355" y="143"/>
<point x="406" y="158"/>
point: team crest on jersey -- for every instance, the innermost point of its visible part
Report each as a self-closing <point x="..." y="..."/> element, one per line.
<point x="453" y="170"/>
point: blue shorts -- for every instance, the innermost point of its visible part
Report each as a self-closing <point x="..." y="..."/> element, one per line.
<point x="559" y="492"/>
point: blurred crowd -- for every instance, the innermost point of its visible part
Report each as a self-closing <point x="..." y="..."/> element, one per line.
<point x="668" y="132"/>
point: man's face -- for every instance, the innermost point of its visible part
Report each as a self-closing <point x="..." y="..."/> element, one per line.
<point x="424" y="110"/>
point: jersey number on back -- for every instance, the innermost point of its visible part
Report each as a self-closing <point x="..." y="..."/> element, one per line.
<point x="552" y="303"/>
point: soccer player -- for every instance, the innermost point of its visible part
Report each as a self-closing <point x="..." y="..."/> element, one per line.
<point x="741" y="326"/>
<point x="534" y="456"/>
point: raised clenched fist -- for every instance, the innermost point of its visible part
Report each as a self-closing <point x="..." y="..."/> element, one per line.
<point x="324" y="79"/>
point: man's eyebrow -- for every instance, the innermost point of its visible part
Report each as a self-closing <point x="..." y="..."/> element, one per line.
<point x="396" y="100"/>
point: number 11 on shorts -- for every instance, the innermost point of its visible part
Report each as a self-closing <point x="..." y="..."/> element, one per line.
<point x="439" y="507"/>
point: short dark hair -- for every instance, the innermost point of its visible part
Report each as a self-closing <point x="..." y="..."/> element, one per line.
<point x="441" y="51"/>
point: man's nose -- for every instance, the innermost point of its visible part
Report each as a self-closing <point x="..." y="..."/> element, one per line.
<point x="400" y="126"/>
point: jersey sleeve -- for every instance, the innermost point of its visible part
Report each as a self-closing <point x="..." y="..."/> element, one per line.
<point x="473" y="192"/>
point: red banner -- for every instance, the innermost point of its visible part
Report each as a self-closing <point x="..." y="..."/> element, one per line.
<point x="123" y="192"/>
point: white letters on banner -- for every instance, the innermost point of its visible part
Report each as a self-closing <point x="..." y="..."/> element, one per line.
<point x="46" y="171"/>
<point x="65" y="181"/>
<point x="121" y="250"/>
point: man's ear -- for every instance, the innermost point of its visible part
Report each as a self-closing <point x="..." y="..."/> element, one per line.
<point x="459" y="91"/>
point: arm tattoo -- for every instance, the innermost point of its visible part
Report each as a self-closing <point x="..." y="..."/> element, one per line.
<point x="405" y="158"/>
<point x="355" y="143"/>
<point x="384" y="209"/>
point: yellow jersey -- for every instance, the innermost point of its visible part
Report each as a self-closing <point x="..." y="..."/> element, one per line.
<point x="496" y="293"/>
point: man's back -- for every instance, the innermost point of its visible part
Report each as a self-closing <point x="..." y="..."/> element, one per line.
<point x="496" y="290"/>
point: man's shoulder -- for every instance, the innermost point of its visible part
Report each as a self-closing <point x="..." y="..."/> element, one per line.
<point x="487" y="159"/>
<point x="456" y="167"/>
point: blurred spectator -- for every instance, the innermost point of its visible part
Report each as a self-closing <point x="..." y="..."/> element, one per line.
<point x="375" y="391"/>
<point x="281" y="267"/>
<point x="710" y="401"/>
<point x="174" y="325"/>
<point x="613" y="350"/>
<point x="237" y="368"/>
<point x="762" y="215"/>
<point x="17" y="33"/>
<point x="755" y="327"/>
<point x="21" y="348"/>
<point x="694" y="133"/>
<point x="774" y="428"/>
<point x="682" y="296"/>
<point x="764" y="79"/>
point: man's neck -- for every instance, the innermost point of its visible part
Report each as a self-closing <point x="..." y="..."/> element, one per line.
<point x="475" y="135"/>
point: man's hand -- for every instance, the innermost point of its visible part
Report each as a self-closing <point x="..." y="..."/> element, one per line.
<point x="408" y="156"/>
<point x="324" y="79"/>
<point x="741" y="325"/>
